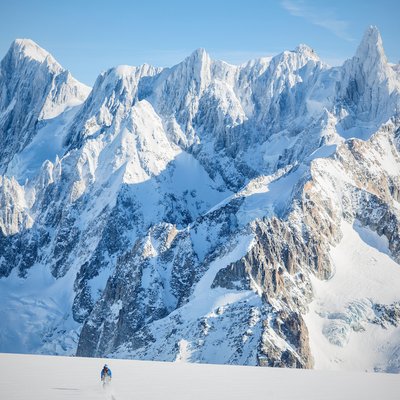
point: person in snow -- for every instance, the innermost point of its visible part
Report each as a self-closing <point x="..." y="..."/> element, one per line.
<point x="105" y="375"/>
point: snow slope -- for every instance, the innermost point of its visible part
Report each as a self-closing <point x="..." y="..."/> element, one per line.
<point x="41" y="305"/>
<point x="342" y="335"/>
<point x="61" y="378"/>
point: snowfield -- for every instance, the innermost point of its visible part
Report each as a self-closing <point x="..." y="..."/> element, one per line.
<point x="58" y="378"/>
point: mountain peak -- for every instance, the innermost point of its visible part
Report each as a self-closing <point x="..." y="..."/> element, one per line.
<point x="371" y="45"/>
<point x="373" y="32"/>
<point x="198" y="56"/>
<point x="28" y="48"/>
<point x="306" y="51"/>
<point x="303" y="48"/>
<point x="200" y="52"/>
<point x="24" y="52"/>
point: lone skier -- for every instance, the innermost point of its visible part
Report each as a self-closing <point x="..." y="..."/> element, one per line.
<point x="106" y="375"/>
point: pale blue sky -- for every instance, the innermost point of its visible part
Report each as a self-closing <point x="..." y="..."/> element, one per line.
<point x="88" y="37"/>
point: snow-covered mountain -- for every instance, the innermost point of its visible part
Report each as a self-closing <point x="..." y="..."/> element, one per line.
<point x="37" y="98"/>
<point x="205" y="212"/>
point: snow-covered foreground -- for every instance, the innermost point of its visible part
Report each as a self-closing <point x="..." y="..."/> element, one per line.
<point x="58" y="378"/>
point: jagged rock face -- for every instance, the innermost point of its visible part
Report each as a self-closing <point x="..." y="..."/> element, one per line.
<point x="13" y="208"/>
<point x="369" y="87"/>
<point x="203" y="212"/>
<point x="114" y="93"/>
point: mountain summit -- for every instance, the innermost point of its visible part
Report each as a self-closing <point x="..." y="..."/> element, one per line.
<point x="369" y="85"/>
<point x="371" y="46"/>
<point x="205" y="212"/>
<point x="34" y="89"/>
<point x="22" y="48"/>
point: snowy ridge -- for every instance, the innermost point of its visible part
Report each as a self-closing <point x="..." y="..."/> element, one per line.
<point x="203" y="212"/>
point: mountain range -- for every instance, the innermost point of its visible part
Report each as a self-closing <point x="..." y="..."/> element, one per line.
<point x="206" y="212"/>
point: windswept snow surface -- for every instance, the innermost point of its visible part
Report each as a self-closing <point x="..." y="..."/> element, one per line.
<point x="62" y="378"/>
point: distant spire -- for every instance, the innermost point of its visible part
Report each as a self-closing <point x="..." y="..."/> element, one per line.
<point x="371" y="45"/>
